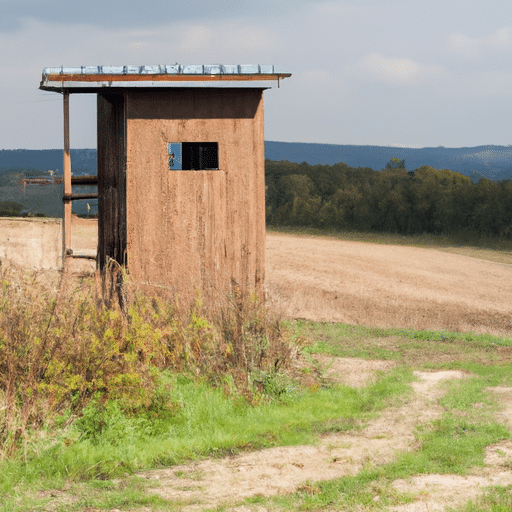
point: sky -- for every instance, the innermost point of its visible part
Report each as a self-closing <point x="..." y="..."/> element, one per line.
<point x="366" y="72"/>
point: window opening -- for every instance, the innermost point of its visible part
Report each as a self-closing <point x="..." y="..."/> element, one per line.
<point x="193" y="156"/>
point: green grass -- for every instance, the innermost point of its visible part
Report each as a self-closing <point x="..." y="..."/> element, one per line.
<point x="420" y="349"/>
<point x="129" y="493"/>
<point x="209" y="423"/>
<point x="494" y="499"/>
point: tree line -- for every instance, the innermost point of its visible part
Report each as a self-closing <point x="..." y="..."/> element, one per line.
<point x="425" y="200"/>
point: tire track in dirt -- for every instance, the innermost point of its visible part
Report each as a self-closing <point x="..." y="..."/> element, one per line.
<point x="272" y="471"/>
<point x="435" y="492"/>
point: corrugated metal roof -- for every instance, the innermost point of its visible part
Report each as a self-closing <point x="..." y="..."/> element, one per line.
<point x="88" y="78"/>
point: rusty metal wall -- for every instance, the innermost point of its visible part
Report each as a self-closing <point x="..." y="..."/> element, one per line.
<point x="111" y="178"/>
<point x="191" y="230"/>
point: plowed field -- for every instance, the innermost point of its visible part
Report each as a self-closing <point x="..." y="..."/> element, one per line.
<point x="380" y="285"/>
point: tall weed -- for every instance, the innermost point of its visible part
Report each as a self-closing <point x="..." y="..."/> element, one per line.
<point x="100" y="346"/>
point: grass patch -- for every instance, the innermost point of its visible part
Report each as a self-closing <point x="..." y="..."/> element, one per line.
<point x="450" y="445"/>
<point x="209" y="423"/>
<point x="367" y="489"/>
<point x="465" y="394"/>
<point x="494" y="499"/>
<point x="424" y="349"/>
<point x="129" y="493"/>
<point x="447" y="336"/>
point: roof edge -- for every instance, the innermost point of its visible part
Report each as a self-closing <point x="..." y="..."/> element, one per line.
<point x="174" y="69"/>
<point x="91" y="78"/>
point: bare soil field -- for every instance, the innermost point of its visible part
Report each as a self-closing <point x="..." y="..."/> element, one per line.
<point x="380" y="285"/>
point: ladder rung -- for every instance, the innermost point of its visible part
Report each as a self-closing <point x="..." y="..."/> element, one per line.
<point x="81" y="254"/>
<point x="76" y="197"/>
<point x="84" y="180"/>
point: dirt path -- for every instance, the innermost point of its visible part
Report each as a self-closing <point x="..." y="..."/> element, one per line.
<point x="387" y="285"/>
<point x="210" y="483"/>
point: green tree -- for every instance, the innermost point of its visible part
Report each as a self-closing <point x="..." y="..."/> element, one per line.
<point x="295" y="186"/>
<point x="395" y="163"/>
<point x="10" y="209"/>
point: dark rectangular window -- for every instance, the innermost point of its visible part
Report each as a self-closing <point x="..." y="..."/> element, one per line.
<point x="193" y="156"/>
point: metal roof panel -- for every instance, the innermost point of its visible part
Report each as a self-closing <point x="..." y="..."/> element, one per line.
<point x="249" y="68"/>
<point x="193" y="70"/>
<point x="172" y="70"/>
<point x="91" y="70"/>
<point x="230" y="69"/>
<point x="215" y="69"/>
<point x="89" y="78"/>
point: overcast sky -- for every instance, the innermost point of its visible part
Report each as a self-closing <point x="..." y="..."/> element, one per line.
<point x="379" y="72"/>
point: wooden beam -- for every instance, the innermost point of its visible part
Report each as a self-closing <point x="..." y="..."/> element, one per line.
<point x="66" y="225"/>
<point x="84" y="180"/>
<point x="75" y="197"/>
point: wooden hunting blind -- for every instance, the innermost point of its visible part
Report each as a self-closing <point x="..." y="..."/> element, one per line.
<point x="181" y="186"/>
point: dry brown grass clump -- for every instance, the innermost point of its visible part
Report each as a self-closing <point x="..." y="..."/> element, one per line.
<point x="103" y="339"/>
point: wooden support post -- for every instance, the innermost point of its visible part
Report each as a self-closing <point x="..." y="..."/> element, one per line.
<point x="66" y="225"/>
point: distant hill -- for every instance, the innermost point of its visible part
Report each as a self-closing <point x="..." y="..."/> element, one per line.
<point x="83" y="160"/>
<point x="493" y="162"/>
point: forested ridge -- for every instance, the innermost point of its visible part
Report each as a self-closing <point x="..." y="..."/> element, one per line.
<point x="424" y="200"/>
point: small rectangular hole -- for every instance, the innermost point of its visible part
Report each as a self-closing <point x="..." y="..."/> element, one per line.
<point x="193" y="156"/>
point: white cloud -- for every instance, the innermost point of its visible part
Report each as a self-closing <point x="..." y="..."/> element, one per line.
<point x="478" y="47"/>
<point x="502" y="37"/>
<point x="488" y="83"/>
<point x="465" y="46"/>
<point x="400" y="71"/>
<point x="227" y="39"/>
